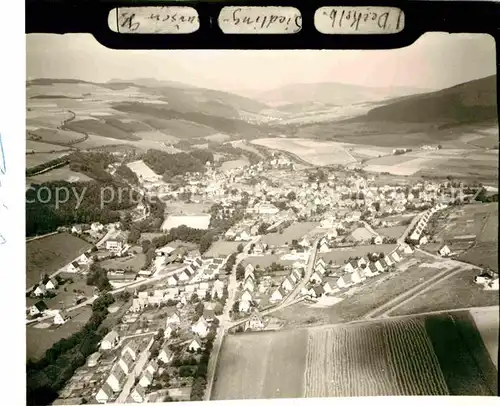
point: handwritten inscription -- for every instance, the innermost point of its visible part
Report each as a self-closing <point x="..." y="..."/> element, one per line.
<point x="3" y="172"/>
<point x="260" y="20"/>
<point x="154" y="20"/>
<point x="359" y="20"/>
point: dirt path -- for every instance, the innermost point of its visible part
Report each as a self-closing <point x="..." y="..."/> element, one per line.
<point x="391" y="305"/>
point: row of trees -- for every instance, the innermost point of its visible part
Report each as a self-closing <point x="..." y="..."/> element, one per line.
<point x="47" y="208"/>
<point x="47" y="376"/>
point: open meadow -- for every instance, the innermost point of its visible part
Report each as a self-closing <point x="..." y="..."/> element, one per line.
<point x="41" y="158"/>
<point x="49" y="254"/>
<point x="222" y="249"/>
<point x="295" y="231"/>
<point x="487" y="322"/>
<point x="40" y="337"/>
<point x="261" y="366"/>
<point x="476" y="222"/>
<point x="314" y="152"/>
<point x="63" y="173"/>
<point x="456" y="292"/>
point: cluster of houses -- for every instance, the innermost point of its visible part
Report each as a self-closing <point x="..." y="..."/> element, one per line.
<point x="488" y="279"/>
<point x="352" y="273"/>
<point x="182" y="294"/>
<point x="416" y="235"/>
<point x="197" y="270"/>
<point x="289" y="283"/>
<point x="122" y="368"/>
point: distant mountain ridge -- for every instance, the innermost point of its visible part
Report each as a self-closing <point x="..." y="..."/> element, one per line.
<point x="332" y="93"/>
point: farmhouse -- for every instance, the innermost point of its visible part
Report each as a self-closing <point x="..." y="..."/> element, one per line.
<point x="195" y="344"/>
<point x="246" y="296"/>
<point x="317" y="291"/>
<point x="165" y="354"/>
<point x="200" y="327"/>
<point x="104" y="393"/>
<point x="115" y="246"/>
<point x="173" y="318"/>
<point x="277" y="295"/>
<point x="288" y="284"/>
<point x="93" y="359"/>
<point x="40" y="290"/>
<point x="316" y="278"/>
<point x="51" y="284"/>
<point x="255" y="321"/>
<point x="138" y="394"/>
<point x="244" y="306"/>
<point x="126" y="362"/>
<point x="116" y="378"/>
<point x="60" y="318"/>
<point x="38" y="308"/>
<point x="110" y="340"/>
<point x="146" y="379"/>
<point x="444" y="251"/>
<point x="344" y="281"/>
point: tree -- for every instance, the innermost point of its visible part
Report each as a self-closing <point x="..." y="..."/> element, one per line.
<point x="134" y="235"/>
<point x="199" y="309"/>
<point x="145" y="244"/>
<point x="240" y="272"/>
<point x="291" y="196"/>
<point x="236" y="306"/>
<point x="126" y="222"/>
<point x="98" y="277"/>
<point x="240" y="248"/>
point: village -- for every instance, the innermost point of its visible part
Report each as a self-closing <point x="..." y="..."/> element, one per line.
<point x="281" y="240"/>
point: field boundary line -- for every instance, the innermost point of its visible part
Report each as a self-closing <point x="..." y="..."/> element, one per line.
<point x="404" y="296"/>
<point x="424" y="290"/>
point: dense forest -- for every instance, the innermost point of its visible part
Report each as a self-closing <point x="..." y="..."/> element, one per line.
<point x="48" y="375"/>
<point x="170" y="165"/>
<point x="54" y="204"/>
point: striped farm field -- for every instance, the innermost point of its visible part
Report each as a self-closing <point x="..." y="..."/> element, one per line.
<point x="426" y="355"/>
<point x="393" y="358"/>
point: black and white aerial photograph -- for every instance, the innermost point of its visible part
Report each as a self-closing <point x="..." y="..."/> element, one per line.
<point x="258" y="224"/>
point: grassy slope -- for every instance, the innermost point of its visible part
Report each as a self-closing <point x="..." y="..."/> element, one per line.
<point x="458" y="351"/>
<point x="48" y="254"/>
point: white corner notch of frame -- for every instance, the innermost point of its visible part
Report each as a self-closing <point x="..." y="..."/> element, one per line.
<point x="154" y="20"/>
<point x="260" y="20"/>
<point x="359" y="20"/>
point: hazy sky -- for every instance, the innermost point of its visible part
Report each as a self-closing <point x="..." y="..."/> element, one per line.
<point x="436" y="60"/>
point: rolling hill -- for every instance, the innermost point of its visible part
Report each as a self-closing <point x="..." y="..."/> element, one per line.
<point x="469" y="102"/>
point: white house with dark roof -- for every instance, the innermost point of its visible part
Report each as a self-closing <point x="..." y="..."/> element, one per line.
<point x="316" y="277"/>
<point x="444" y="251"/>
<point x="126" y="362"/>
<point x="249" y="284"/>
<point x="344" y="281"/>
<point x="165" y="355"/>
<point x="288" y="284"/>
<point x="277" y="295"/>
<point x="244" y="306"/>
<point x="351" y="266"/>
<point x="195" y="344"/>
<point x="104" y="393"/>
<point x="246" y="295"/>
<point x="138" y="394"/>
<point x="201" y="327"/>
<point x="146" y="379"/>
<point x="110" y="340"/>
<point x="173" y="318"/>
<point x="116" y="378"/>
